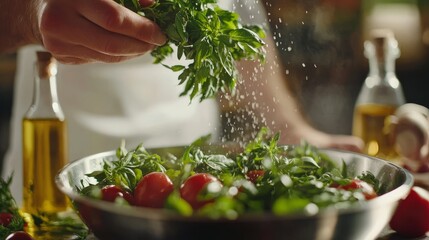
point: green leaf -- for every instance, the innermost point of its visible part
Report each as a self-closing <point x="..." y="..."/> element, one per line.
<point x="229" y="20"/>
<point x="309" y="161"/>
<point x="215" y="23"/>
<point x="204" y="49"/>
<point x="246" y="36"/>
<point x="177" y="68"/>
<point x="185" y="75"/>
<point x="284" y="206"/>
<point x="180" y="50"/>
<point x="225" y="59"/>
<point x="181" y="22"/>
<point x="173" y="34"/>
<point x="177" y="204"/>
<point x="161" y="53"/>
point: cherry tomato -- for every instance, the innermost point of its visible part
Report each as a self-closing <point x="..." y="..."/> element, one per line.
<point x="5" y="218"/>
<point x="411" y="217"/>
<point x="255" y="175"/>
<point x="193" y="186"/>
<point x="20" y="235"/>
<point x="111" y="192"/>
<point x="153" y="189"/>
<point x="367" y="190"/>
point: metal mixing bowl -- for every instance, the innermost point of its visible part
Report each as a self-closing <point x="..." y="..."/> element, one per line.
<point x="362" y="221"/>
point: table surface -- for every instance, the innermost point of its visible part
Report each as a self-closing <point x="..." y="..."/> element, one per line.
<point x="387" y="234"/>
<point x="64" y="233"/>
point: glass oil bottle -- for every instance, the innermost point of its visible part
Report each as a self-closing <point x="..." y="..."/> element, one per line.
<point x="44" y="142"/>
<point x="379" y="97"/>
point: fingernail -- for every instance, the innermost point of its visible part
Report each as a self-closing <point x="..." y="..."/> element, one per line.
<point x="160" y="39"/>
<point x="146" y="3"/>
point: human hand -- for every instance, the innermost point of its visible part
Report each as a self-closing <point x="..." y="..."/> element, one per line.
<point x="344" y="142"/>
<point x="322" y="140"/>
<point x="82" y="31"/>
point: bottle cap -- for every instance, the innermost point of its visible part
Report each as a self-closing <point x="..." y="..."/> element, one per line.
<point x="43" y="56"/>
<point x="46" y="64"/>
<point x="381" y="34"/>
<point x="385" y="43"/>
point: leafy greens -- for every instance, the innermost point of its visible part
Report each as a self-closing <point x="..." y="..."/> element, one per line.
<point x="55" y="226"/>
<point x="8" y="205"/>
<point x="211" y="38"/>
<point x="295" y="177"/>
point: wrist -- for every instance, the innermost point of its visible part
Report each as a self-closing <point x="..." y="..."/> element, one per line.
<point x="32" y="34"/>
<point x="19" y="24"/>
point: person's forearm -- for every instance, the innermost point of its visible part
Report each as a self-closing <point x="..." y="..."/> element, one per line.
<point x="18" y="23"/>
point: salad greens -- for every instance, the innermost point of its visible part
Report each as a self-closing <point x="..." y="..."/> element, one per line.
<point x="50" y="227"/>
<point x="9" y="206"/>
<point x="209" y="37"/>
<point x="294" y="178"/>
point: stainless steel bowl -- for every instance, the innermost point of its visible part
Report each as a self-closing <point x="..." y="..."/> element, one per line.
<point x="362" y="221"/>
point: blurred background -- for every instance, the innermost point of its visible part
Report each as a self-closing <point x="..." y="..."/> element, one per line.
<point x="321" y="46"/>
<point x="7" y="74"/>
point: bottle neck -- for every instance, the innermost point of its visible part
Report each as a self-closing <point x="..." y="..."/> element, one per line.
<point x="383" y="68"/>
<point x="45" y="98"/>
<point x="381" y="85"/>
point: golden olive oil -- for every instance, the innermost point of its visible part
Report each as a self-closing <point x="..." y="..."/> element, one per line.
<point x="371" y="124"/>
<point x="44" y="154"/>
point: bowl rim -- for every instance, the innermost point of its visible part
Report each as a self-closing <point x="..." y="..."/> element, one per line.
<point x="390" y="197"/>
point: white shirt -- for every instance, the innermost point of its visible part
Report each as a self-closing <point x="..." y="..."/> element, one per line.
<point x="136" y="100"/>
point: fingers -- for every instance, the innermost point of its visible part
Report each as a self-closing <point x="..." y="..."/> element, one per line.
<point x="82" y="31"/>
<point x="76" y="60"/>
<point x="114" y="17"/>
<point x="349" y="143"/>
<point x="421" y="180"/>
<point x="76" y="54"/>
<point x="146" y="3"/>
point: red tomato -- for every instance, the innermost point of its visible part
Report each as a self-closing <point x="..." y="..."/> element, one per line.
<point x="192" y="187"/>
<point x="5" y="218"/>
<point x="255" y="175"/>
<point x="367" y="190"/>
<point x="411" y="218"/>
<point x="153" y="189"/>
<point x="20" y="235"/>
<point x="111" y="192"/>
